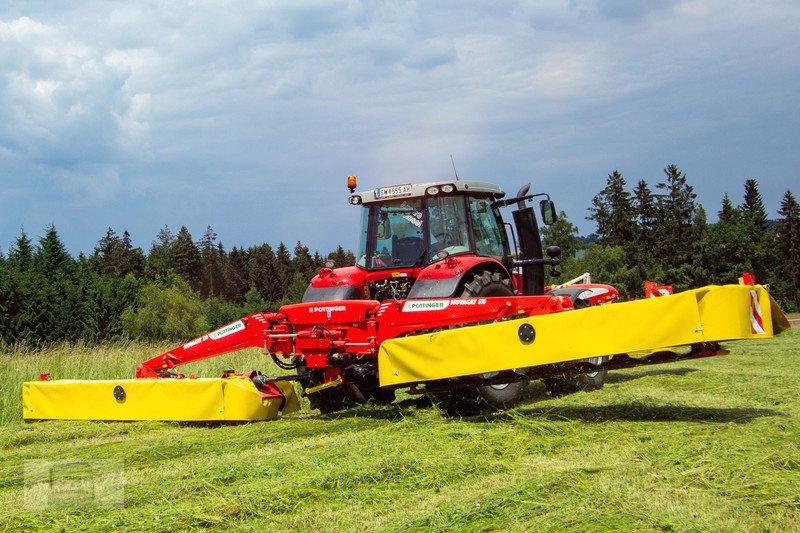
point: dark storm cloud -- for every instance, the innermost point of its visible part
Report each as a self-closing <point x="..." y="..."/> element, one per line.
<point x="248" y="116"/>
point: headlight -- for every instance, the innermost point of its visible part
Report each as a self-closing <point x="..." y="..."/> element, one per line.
<point x="432" y="191"/>
<point x="355" y="200"/>
<point x="448" y="188"/>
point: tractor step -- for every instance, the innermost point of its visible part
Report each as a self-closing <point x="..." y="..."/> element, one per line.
<point x="700" y="316"/>
<point x="233" y="398"/>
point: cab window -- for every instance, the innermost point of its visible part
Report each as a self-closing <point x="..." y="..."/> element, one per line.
<point x="486" y="227"/>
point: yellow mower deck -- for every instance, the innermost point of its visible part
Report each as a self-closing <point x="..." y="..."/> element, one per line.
<point x="708" y="314"/>
<point x="232" y="398"/>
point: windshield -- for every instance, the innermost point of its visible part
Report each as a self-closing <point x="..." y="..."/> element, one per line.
<point x="416" y="231"/>
<point x="447" y="226"/>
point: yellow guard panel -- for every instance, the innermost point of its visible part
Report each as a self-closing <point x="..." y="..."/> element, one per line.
<point x="206" y="399"/>
<point x="708" y="314"/>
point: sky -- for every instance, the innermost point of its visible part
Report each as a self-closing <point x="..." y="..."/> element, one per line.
<point x="248" y="116"/>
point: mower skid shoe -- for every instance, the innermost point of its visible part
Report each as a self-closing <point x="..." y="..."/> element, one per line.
<point x="233" y="398"/>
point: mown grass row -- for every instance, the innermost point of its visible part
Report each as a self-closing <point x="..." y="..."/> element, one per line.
<point x="704" y="445"/>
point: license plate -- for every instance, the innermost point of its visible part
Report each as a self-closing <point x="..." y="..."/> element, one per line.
<point x="395" y="191"/>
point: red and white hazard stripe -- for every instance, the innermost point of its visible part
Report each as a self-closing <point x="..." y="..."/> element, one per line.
<point x="756" y="322"/>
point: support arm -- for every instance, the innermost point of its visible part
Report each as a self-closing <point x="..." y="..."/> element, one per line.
<point x="253" y="331"/>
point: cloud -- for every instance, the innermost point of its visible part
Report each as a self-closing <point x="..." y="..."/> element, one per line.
<point x="206" y="113"/>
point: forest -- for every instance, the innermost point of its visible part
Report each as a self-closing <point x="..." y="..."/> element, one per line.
<point x="182" y="288"/>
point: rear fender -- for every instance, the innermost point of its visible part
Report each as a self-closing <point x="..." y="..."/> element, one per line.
<point x="445" y="278"/>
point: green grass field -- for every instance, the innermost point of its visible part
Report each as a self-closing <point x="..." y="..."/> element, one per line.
<point x="705" y="445"/>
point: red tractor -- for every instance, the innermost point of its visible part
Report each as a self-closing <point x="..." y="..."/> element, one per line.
<point x="446" y="240"/>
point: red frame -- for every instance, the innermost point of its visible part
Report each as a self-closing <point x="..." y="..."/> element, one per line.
<point x="354" y="327"/>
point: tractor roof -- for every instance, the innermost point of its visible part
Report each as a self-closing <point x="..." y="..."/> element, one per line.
<point x="418" y="190"/>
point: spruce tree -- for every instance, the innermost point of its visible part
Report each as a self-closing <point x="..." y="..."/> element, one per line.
<point x="53" y="304"/>
<point x="673" y="231"/>
<point x="21" y="253"/>
<point x="788" y="245"/>
<point x="612" y="212"/>
<point x="727" y="213"/>
<point x="284" y="269"/>
<point x="727" y="253"/>
<point x="104" y="254"/>
<point x="211" y="265"/>
<point x="131" y="260"/>
<point x="753" y="205"/>
<point x="159" y="260"/>
<point x="760" y="239"/>
<point x="644" y="211"/>
<point x="303" y="262"/>
<point x="186" y="258"/>
<point x="262" y="273"/>
<point x="236" y="277"/>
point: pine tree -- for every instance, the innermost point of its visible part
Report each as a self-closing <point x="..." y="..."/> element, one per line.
<point x="211" y="265"/>
<point x="186" y="258"/>
<point x="18" y="283"/>
<point x="727" y="253"/>
<point x="642" y="258"/>
<point x="760" y="239"/>
<point x="612" y="212"/>
<point x="753" y="205"/>
<point x="788" y="245"/>
<point x="236" y="277"/>
<point x="676" y="211"/>
<point x="262" y="272"/>
<point x="700" y="233"/>
<point x="159" y="260"/>
<point x="303" y="263"/>
<point x="644" y="211"/>
<point x="21" y="253"/>
<point x="342" y="258"/>
<point x="104" y="252"/>
<point x="131" y="260"/>
<point x="284" y="269"/>
<point x="53" y="301"/>
<point x="8" y="290"/>
<point x="727" y="214"/>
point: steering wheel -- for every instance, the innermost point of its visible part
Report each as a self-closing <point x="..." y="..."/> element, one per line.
<point x="382" y="260"/>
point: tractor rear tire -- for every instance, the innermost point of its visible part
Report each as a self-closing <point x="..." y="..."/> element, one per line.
<point x="495" y="397"/>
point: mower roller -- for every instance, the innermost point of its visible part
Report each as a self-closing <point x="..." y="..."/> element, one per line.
<point x="436" y="304"/>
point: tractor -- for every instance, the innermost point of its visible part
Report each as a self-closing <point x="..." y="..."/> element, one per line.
<point x="448" y="240"/>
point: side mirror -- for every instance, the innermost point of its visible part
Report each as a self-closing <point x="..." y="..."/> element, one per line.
<point x="548" y="209"/>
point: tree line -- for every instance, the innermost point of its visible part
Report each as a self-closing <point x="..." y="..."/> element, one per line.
<point x="179" y="289"/>
<point x="182" y="288"/>
<point x="663" y="235"/>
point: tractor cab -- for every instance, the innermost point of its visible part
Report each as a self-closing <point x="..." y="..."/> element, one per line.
<point x="412" y="226"/>
<point x="433" y="240"/>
